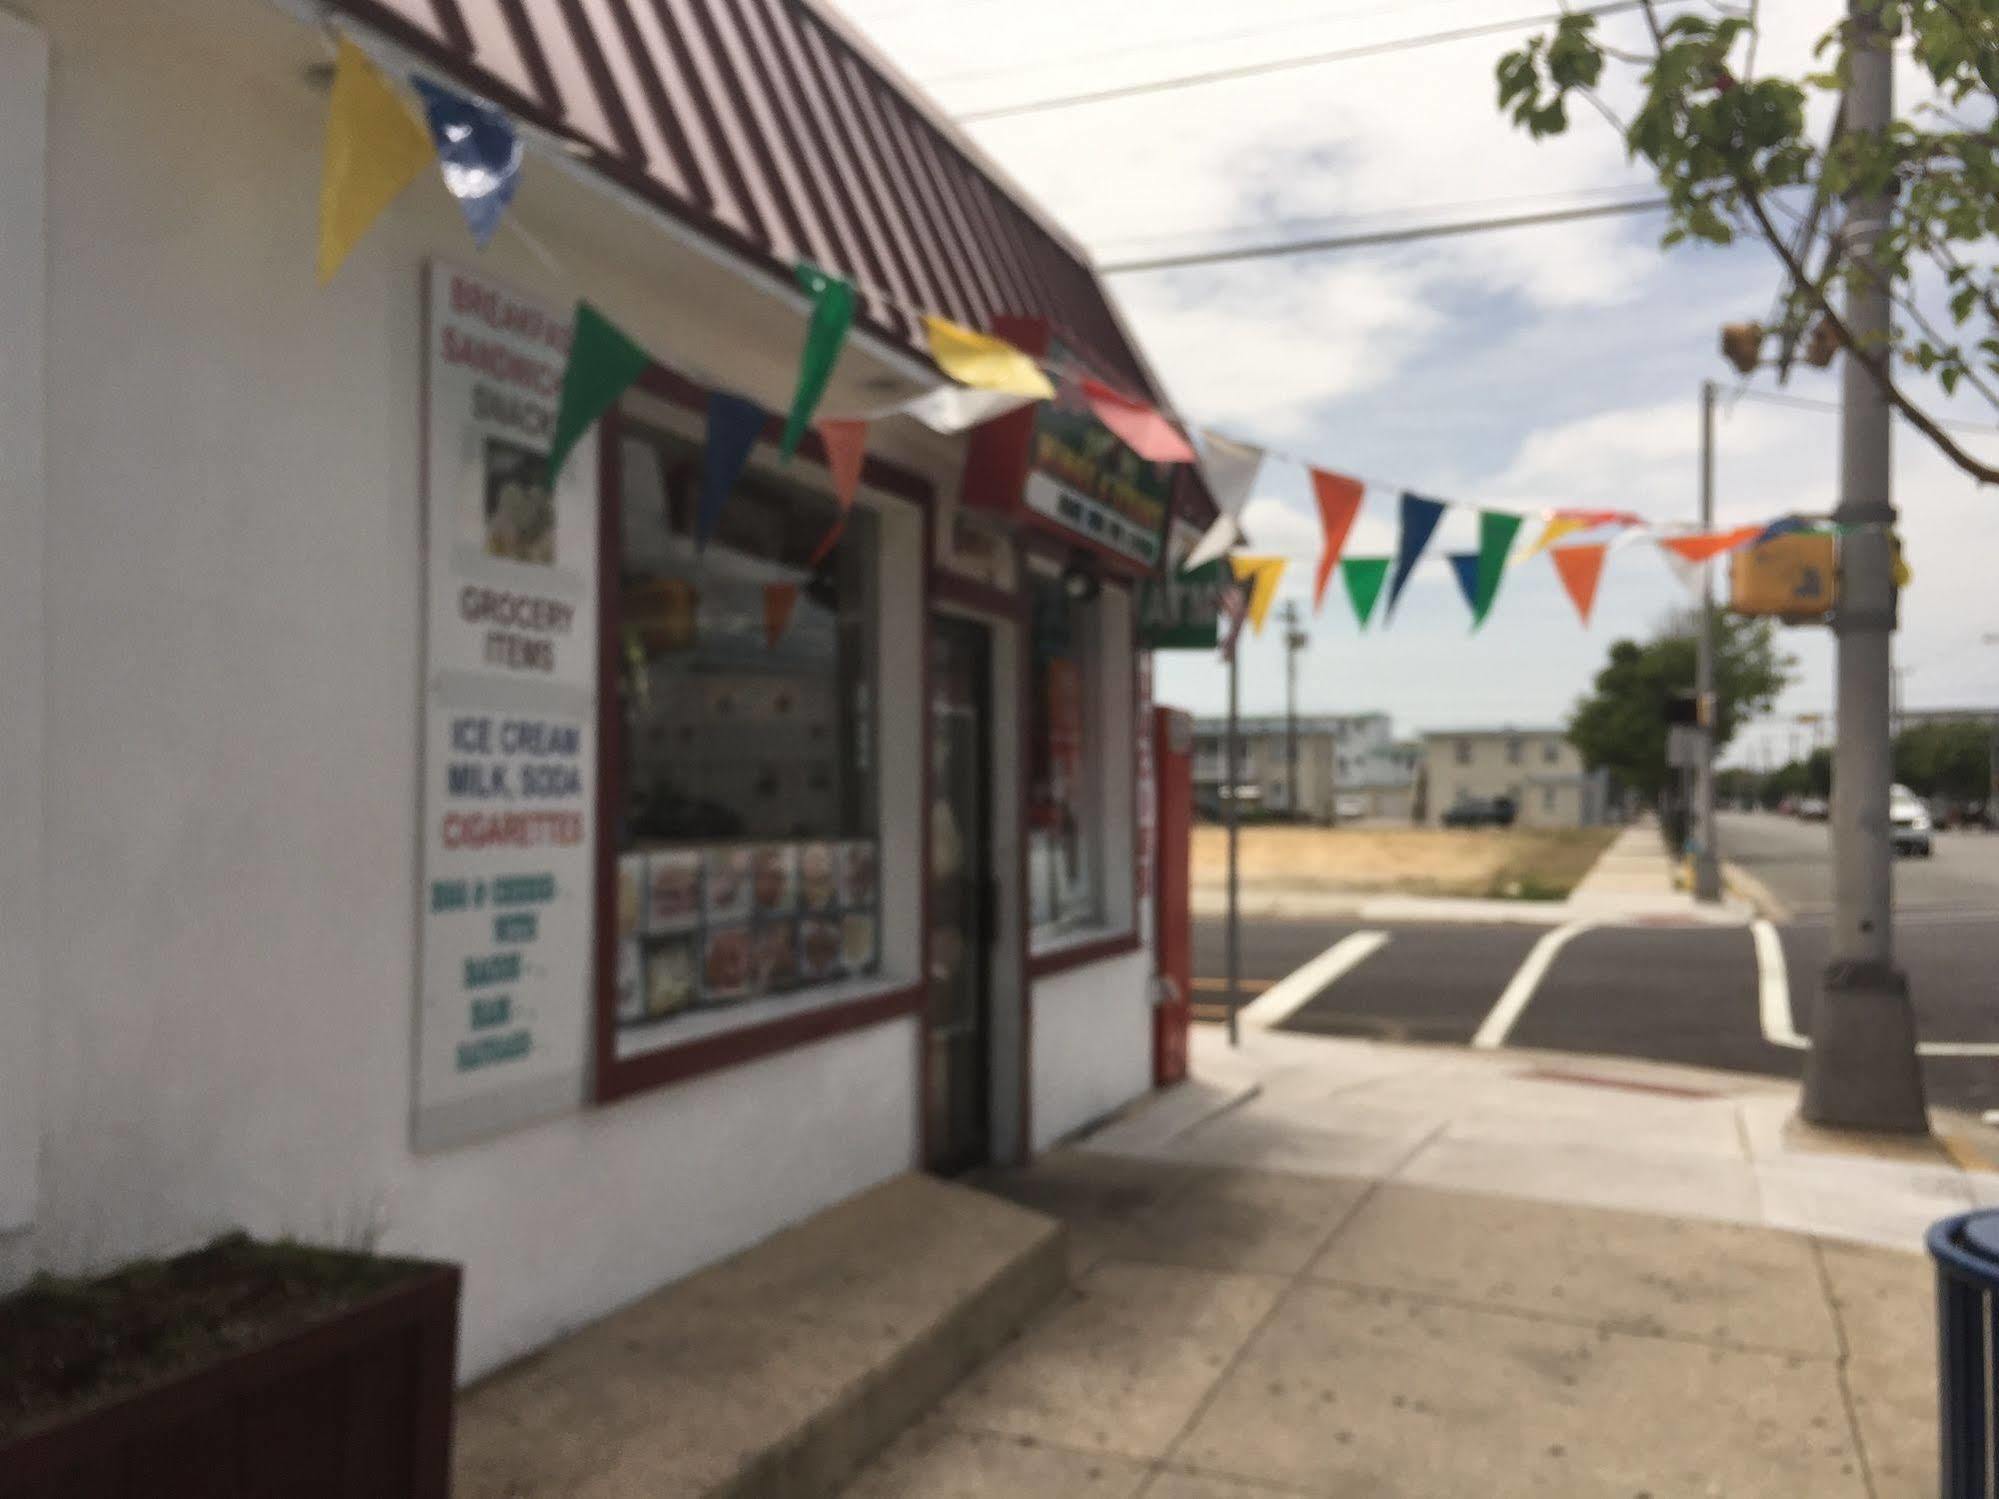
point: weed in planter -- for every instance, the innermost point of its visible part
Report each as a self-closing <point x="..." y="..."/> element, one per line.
<point x="68" y="1344"/>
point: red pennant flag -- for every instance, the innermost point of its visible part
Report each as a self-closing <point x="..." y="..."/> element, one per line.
<point x="1339" y="502"/>
<point x="1137" y="425"/>
<point x="846" y="449"/>
<point x="1580" y="567"/>
<point x="779" y="600"/>
<point x="1710" y="544"/>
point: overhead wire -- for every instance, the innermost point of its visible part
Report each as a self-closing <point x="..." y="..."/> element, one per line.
<point x="1377" y="237"/>
<point x="1284" y="64"/>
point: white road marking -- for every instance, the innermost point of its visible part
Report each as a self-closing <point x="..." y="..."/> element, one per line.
<point x="1496" y="1026"/>
<point x="1290" y="993"/>
<point x="1780" y="1028"/>
<point x="1773" y="989"/>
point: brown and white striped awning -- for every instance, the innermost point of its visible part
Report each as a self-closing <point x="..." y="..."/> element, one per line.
<point x="760" y="123"/>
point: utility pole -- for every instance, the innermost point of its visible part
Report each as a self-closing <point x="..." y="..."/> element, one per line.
<point x="1295" y="640"/>
<point x="1862" y="1071"/>
<point x="1707" y="866"/>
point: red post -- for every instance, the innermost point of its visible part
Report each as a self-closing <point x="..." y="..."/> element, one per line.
<point x="1173" y="751"/>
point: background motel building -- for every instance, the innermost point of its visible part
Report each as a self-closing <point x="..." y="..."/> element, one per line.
<point x="393" y="851"/>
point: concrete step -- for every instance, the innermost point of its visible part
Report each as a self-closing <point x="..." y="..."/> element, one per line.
<point x="778" y="1372"/>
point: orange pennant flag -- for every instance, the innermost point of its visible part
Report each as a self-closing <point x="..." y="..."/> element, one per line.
<point x="1339" y="502"/>
<point x="846" y="449"/>
<point x="1580" y="568"/>
<point x="779" y="600"/>
<point x="1710" y="544"/>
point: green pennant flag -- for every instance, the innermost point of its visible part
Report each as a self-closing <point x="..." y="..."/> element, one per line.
<point x="1496" y="530"/>
<point x="603" y="363"/>
<point x="1363" y="577"/>
<point x="832" y="316"/>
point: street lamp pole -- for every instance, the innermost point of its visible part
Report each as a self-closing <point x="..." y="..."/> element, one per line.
<point x="1707" y="864"/>
<point x="1862" y="1070"/>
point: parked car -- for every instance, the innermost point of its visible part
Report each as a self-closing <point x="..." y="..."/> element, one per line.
<point x="1909" y="822"/>
<point x="1481" y="812"/>
<point x="1813" y="809"/>
<point x="1350" y="806"/>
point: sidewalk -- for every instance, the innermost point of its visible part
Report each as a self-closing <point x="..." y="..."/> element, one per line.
<point x="1336" y="1268"/>
<point x="1632" y="882"/>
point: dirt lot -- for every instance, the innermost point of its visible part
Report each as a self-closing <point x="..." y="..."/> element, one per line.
<point x="1529" y="863"/>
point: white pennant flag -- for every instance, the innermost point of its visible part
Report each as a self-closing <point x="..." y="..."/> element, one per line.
<point x="1689" y="573"/>
<point x="955" y="408"/>
<point x="1230" y="468"/>
<point x="1221" y="536"/>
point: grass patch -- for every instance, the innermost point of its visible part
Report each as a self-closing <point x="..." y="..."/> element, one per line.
<point x="1498" y="863"/>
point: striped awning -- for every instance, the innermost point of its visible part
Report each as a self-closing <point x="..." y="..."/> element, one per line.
<point x="759" y="123"/>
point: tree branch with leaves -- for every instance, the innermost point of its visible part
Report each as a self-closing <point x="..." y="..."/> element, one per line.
<point x="1727" y="145"/>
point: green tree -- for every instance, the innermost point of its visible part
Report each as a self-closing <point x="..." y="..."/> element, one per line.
<point x="1945" y="759"/>
<point x="1732" y="151"/>
<point x="1621" y="725"/>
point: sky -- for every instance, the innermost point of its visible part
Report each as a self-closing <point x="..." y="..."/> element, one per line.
<point x="1550" y="366"/>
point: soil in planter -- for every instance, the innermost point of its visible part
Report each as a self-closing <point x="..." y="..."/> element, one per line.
<point x="68" y="1344"/>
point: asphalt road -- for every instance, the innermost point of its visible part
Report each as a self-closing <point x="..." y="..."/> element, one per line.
<point x="1677" y="994"/>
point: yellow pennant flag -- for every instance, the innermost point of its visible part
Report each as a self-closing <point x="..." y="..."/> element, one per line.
<point x="1263" y="575"/>
<point x="987" y="363"/>
<point x="375" y="147"/>
<point x="1554" y="531"/>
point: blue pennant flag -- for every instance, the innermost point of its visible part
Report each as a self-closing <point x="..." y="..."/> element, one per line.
<point x="733" y="427"/>
<point x="1419" y="522"/>
<point x="1788" y="525"/>
<point x="1465" y="565"/>
<point x="479" y="153"/>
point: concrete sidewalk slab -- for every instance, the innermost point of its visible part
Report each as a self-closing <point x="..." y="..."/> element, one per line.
<point x="1369" y="1392"/>
<point x="1721" y="1283"/>
<point x="1413" y="1272"/>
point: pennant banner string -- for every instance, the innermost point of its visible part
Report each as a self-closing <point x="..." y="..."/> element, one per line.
<point x="378" y="143"/>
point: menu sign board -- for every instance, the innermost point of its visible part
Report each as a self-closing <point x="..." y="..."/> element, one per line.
<point x="1178" y="611"/>
<point x="510" y="724"/>
<point x="1056" y="462"/>
<point x="1084" y="479"/>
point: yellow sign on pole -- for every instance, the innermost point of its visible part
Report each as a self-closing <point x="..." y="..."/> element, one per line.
<point x="1793" y="577"/>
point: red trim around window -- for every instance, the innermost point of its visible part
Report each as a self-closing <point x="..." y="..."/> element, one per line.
<point x="1117" y="945"/>
<point x="617" y="1078"/>
<point x="672" y="1064"/>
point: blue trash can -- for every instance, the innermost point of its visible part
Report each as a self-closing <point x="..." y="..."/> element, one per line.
<point x="1966" y="1251"/>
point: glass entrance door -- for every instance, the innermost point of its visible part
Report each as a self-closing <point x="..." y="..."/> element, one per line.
<point x="961" y="886"/>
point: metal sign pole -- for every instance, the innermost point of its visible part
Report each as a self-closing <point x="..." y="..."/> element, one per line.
<point x="1231" y="784"/>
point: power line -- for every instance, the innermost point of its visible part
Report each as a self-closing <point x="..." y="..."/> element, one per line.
<point x="1379" y="237"/>
<point x="1181" y="43"/>
<point x="1284" y="64"/>
<point x="1806" y="403"/>
<point x="1207" y="236"/>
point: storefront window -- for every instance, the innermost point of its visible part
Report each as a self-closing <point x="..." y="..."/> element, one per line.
<point x="1065" y="885"/>
<point x="748" y="858"/>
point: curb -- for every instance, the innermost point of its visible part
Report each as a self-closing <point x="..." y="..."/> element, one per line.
<point x="1752" y="889"/>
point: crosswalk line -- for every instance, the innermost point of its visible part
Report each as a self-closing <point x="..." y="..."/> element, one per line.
<point x="1292" y="992"/>
<point x="1499" y="1023"/>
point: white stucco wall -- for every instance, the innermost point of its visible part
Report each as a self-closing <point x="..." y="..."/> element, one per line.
<point x="1091" y="1044"/>
<point x="232" y="607"/>
<point x="23" y="416"/>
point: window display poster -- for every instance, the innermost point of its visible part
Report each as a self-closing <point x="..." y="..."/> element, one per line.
<point x="509" y="776"/>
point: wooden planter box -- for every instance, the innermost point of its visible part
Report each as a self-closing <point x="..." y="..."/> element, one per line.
<point x="354" y="1406"/>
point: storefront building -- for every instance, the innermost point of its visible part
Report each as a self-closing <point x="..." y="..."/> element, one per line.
<point x="573" y="881"/>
